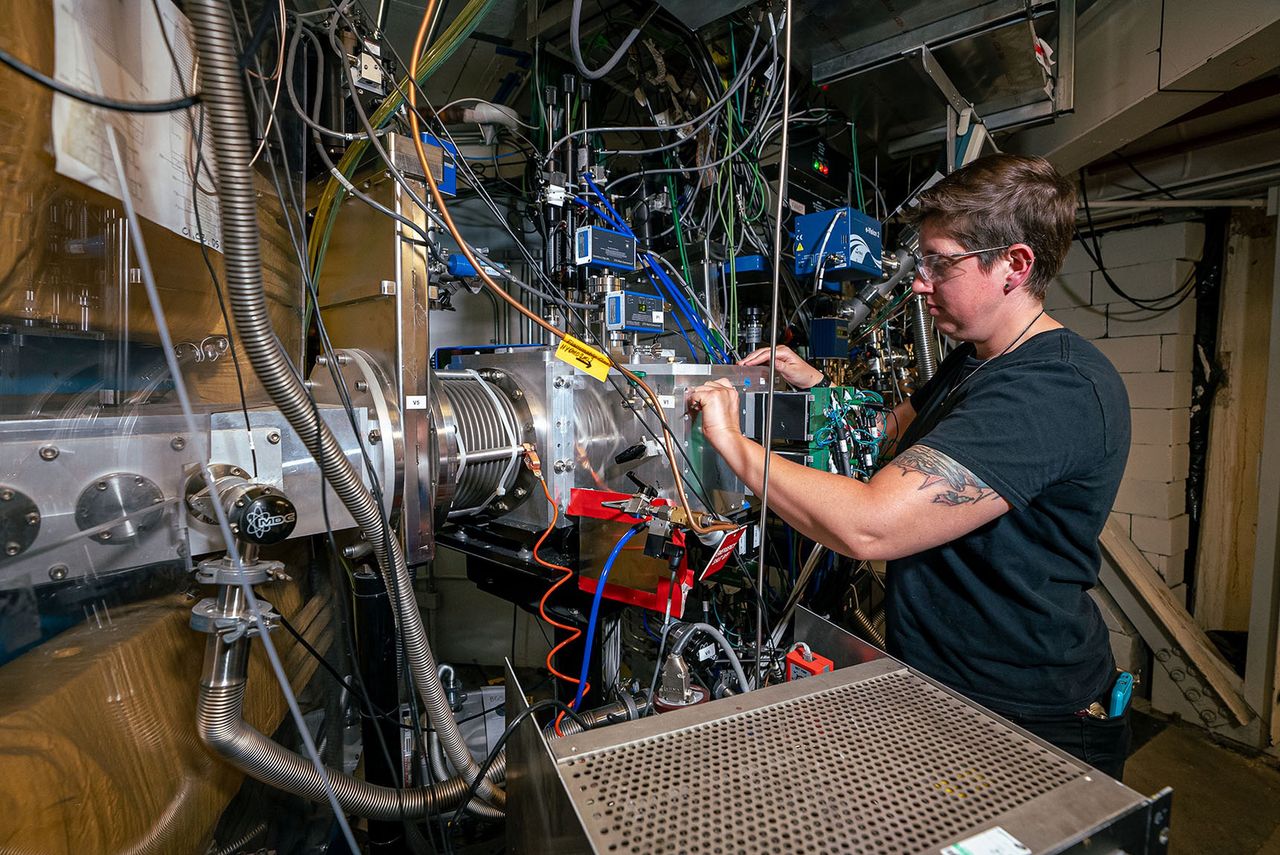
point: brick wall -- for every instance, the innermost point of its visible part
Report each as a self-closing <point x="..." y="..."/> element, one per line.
<point x="1153" y="353"/>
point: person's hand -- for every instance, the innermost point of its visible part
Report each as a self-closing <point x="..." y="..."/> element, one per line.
<point x="717" y="402"/>
<point x="789" y="365"/>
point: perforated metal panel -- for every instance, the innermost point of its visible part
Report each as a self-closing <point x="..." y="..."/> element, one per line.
<point x="890" y="764"/>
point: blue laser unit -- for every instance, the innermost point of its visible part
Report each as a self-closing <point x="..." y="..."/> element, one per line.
<point x="598" y="247"/>
<point x="633" y="311"/>
<point x="849" y="240"/>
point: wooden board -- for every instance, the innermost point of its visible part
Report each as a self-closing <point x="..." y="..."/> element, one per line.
<point x="1175" y="624"/>
<point x="1224" y="561"/>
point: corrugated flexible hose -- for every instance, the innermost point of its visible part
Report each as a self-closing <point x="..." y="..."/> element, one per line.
<point x="221" y="726"/>
<point x="220" y="86"/>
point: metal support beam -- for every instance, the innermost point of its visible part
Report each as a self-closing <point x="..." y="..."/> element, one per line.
<point x="1145" y="63"/>
<point x="925" y="63"/>
<point x="966" y="24"/>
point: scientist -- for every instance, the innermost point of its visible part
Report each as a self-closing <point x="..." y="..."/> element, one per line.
<point x="1007" y="465"/>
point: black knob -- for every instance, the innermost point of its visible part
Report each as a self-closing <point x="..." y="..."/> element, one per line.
<point x="263" y="516"/>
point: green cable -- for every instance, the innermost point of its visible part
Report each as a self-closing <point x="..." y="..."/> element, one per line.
<point x="733" y="247"/>
<point x="327" y="209"/>
<point x="675" y="215"/>
<point x="857" y="170"/>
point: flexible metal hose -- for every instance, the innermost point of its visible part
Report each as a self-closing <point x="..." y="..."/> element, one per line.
<point x="221" y="726"/>
<point x="228" y="120"/>
<point x="926" y="346"/>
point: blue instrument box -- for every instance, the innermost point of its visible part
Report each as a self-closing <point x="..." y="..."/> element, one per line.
<point x="849" y="240"/>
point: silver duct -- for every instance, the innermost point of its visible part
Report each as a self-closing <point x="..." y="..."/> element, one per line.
<point x="926" y="344"/>
<point x="221" y="726"/>
<point x="220" y="86"/>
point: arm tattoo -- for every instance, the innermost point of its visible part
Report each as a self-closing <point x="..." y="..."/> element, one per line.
<point x="955" y="484"/>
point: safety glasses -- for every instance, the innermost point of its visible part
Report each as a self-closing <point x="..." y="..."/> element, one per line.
<point x="932" y="267"/>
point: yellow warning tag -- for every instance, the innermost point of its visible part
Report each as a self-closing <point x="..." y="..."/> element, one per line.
<point x="799" y="247"/>
<point x="583" y="356"/>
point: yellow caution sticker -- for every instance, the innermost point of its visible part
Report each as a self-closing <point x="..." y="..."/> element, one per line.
<point x="583" y="356"/>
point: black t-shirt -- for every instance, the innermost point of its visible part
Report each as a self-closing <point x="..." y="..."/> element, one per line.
<point x="1001" y="614"/>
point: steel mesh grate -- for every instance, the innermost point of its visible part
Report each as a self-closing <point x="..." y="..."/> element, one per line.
<point x="916" y="770"/>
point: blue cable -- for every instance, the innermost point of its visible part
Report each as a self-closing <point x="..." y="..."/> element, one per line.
<point x="617" y="218"/>
<point x="695" y="320"/>
<point x="683" y="332"/>
<point x="595" y="608"/>
<point x="689" y="312"/>
<point x="644" y="619"/>
<point x="599" y="213"/>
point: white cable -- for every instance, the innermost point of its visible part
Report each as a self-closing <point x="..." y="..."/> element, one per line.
<point x="783" y="163"/>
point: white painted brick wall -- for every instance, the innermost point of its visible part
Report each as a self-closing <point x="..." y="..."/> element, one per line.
<point x="1163" y="537"/>
<point x="1159" y="243"/>
<point x="1160" y="427"/>
<point x="1069" y="290"/>
<point x="1133" y="355"/>
<point x="1172" y="568"/>
<point x="1153" y="280"/>
<point x="1086" y="321"/>
<point x="1161" y="463"/>
<point x="1177" y="352"/>
<point x="1124" y="520"/>
<point x="1162" y="390"/>
<point x="1151" y="498"/>
<point x="1153" y="353"/>
<point x="1124" y="319"/>
<point x="1077" y="261"/>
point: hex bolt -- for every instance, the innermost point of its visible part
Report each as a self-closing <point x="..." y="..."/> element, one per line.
<point x="240" y="503"/>
<point x="33" y="518"/>
<point x="561" y="466"/>
<point x="500" y="506"/>
<point x="520" y="492"/>
<point x="342" y="358"/>
<point x="274" y="437"/>
<point x="375" y="436"/>
<point x="12" y="548"/>
<point x="362" y="386"/>
<point x="6" y="495"/>
<point x="137" y="479"/>
<point x="517" y="394"/>
<point x="48" y="452"/>
<point x="178" y="443"/>
<point x="322" y="360"/>
<point x="560" y="382"/>
<point x="101" y="485"/>
<point x="58" y="572"/>
<point x="106" y="535"/>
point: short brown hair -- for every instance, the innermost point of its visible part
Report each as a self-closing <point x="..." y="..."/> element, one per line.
<point x="1000" y="200"/>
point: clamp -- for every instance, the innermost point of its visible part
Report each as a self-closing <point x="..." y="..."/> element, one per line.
<point x="207" y="617"/>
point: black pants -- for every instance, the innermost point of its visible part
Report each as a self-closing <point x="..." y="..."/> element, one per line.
<point x="1102" y="743"/>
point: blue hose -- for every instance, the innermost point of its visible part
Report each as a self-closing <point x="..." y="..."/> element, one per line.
<point x="595" y="608"/>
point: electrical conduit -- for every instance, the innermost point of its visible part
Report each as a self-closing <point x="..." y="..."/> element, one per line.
<point x="224" y="102"/>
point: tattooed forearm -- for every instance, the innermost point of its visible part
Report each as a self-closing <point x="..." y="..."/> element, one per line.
<point x="951" y="483"/>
